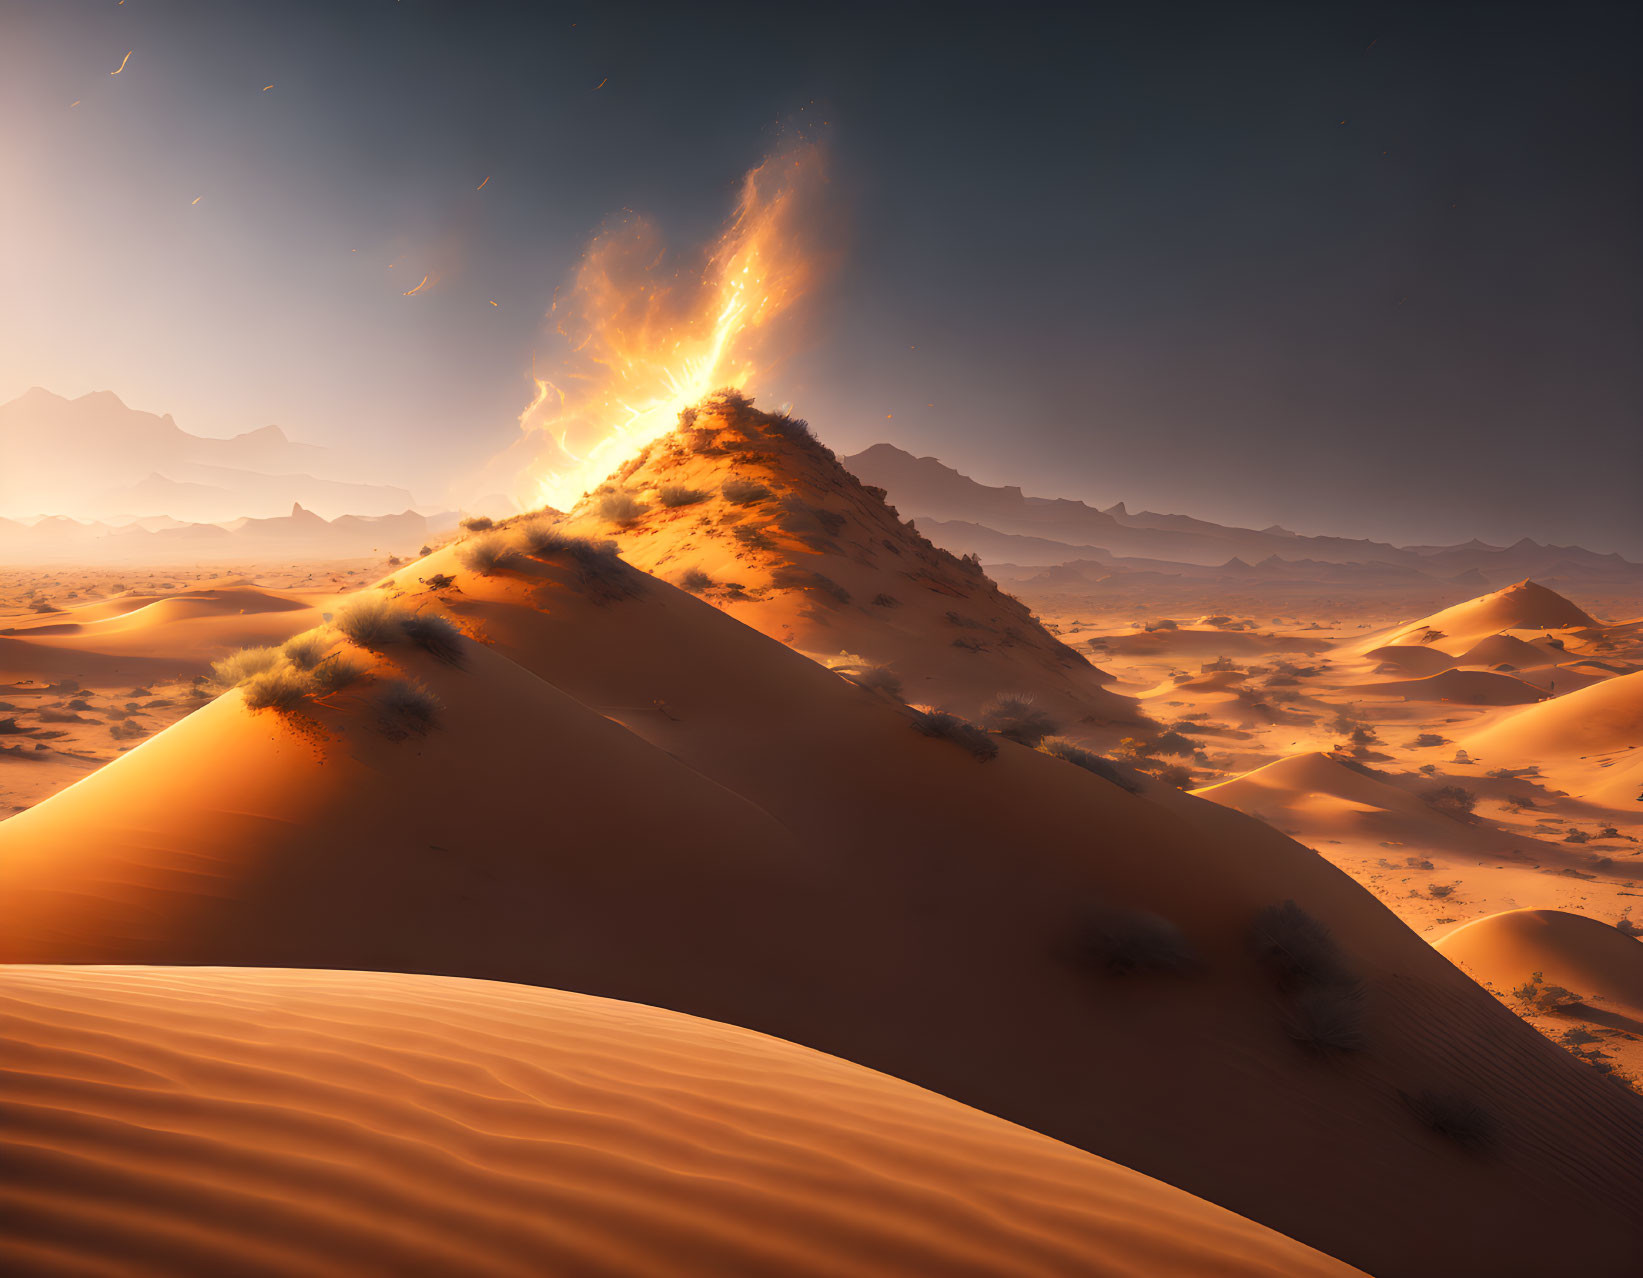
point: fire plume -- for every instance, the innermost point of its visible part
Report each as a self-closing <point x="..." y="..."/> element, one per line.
<point x="648" y="336"/>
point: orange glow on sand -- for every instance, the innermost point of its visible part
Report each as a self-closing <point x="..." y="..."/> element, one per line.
<point x="648" y="336"/>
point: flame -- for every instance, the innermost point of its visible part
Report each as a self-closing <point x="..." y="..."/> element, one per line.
<point x="647" y="339"/>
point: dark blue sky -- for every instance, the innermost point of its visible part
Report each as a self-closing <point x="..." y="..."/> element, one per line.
<point x="1367" y="269"/>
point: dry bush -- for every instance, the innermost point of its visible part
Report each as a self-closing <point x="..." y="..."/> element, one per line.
<point x="1079" y="757"/>
<point x="1297" y="949"/>
<point x="478" y="523"/>
<point x="487" y="555"/>
<point x="1451" y="800"/>
<point x="1018" y="719"/>
<point x="1328" y="1018"/>
<point x="1536" y="998"/>
<point x="371" y="622"/>
<point x="864" y="674"/>
<point x="279" y="688"/>
<point x="307" y="650"/>
<point x="743" y="492"/>
<point x="404" y="707"/>
<point x="620" y="508"/>
<point x="600" y="570"/>
<point x="695" y="580"/>
<point x="1456" y="1118"/>
<point x="675" y="495"/>
<point x="434" y="635"/>
<point x="235" y="669"/>
<point x="949" y="727"/>
<point x="335" y="673"/>
<point x="1126" y="942"/>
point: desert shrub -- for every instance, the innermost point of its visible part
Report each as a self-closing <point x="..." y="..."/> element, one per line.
<point x="675" y="495"/>
<point x="1079" y="757"/>
<point x="1451" y="800"/>
<point x="1577" y="836"/>
<point x="1298" y="950"/>
<point x="792" y="428"/>
<point x="335" y="673"/>
<point x="1017" y="718"/>
<point x="1162" y="624"/>
<point x="1327" y="1018"/>
<point x="439" y="581"/>
<point x="620" y="508"/>
<point x="487" y="554"/>
<point x="785" y="578"/>
<point x="279" y="688"/>
<point x="743" y="492"/>
<point x="425" y="551"/>
<point x="1456" y="1118"/>
<point x="434" y="635"/>
<point x="127" y="731"/>
<point x="371" y="622"/>
<point x="886" y="601"/>
<point x="1537" y="998"/>
<point x="404" y="706"/>
<point x="1624" y="923"/>
<point x="695" y="580"/>
<point x="1426" y="740"/>
<point x="599" y="568"/>
<point x="236" y="668"/>
<point x="876" y="678"/>
<point x="1126" y="942"/>
<point x="1174" y="775"/>
<point x="308" y="649"/>
<point x="730" y="397"/>
<point x="949" y="727"/>
<point x="1173" y="743"/>
<point x="478" y="523"/>
<point x="1437" y="891"/>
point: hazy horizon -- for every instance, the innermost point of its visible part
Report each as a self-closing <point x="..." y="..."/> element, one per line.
<point x="1360" y="275"/>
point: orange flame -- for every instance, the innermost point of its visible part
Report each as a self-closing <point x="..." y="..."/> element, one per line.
<point x="647" y="339"/>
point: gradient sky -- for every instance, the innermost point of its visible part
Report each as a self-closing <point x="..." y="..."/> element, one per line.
<point x="1360" y="269"/>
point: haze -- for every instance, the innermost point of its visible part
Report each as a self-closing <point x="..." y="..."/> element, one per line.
<point x="1369" y="273"/>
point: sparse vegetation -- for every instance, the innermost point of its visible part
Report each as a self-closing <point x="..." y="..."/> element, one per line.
<point x="1323" y="997"/>
<point x="1456" y="1118"/>
<point x="308" y="649"/>
<point x="281" y="687"/>
<point x="1451" y="800"/>
<point x="620" y="508"/>
<point x="743" y="492"/>
<point x="949" y="727"/>
<point x="335" y="673"/>
<point x="439" y="581"/>
<point x="599" y="569"/>
<point x="404" y="707"/>
<point x="434" y="635"/>
<point x="1536" y="998"/>
<point x="371" y="622"/>
<point x="675" y="495"/>
<point x="1130" y="942"/>
<point x="478" y="523"/>
<point x="487" y="554"/>
<point x="695" y="580"/>
<point x="866" y="675"/>
<point x="1298" y="950"/>
<point x="1328" y="1018"/>
<point x="1018" y="719"/>
<point x="235" y="669"/>
<point x="1079" y="757"/>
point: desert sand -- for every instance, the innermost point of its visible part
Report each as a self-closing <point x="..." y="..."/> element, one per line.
<point x="785" y="807"/>
<point x="267" y="1121"/>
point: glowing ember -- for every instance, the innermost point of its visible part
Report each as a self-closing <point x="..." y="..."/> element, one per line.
<point x="123" y="62"/>
<point x="648" y="338"/>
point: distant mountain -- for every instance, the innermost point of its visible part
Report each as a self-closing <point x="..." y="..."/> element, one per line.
<point x="299" y="535"/>
<point x="1004" y="525"/>
<point x="96" y="458"/>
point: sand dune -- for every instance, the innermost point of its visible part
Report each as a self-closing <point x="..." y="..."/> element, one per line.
<point x="253" y="1121"/>
<point x="822" y="564"/>
<point x="1588" y="957"/>
<point x="803" y="836"/>
<point x="1524" y="606"/>
<point x="1465" y="687"/>
<point x="1589" y="741"/>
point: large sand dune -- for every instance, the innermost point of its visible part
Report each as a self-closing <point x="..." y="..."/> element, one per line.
<point x="1590" y="741"/>
<point x="808" y="865"/>
<point x="254" y="1121"/>
<point x="1524" y="606"/>
<point x="1585" y="956"/>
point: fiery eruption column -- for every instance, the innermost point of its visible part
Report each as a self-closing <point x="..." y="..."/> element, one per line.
<point x="648" y="336"/>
